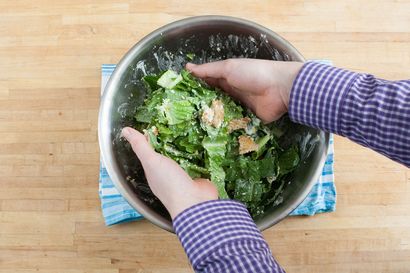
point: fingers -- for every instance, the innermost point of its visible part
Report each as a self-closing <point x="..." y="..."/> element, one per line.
<point x="211" y="82"/>
<point x="217" y="69"/>
<point x="202" y="180"/>
<point x="219" y="83"/>
<point x="138" y="142"/>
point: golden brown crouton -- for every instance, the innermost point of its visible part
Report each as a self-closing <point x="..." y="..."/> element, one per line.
<point x="218" y="108"/>
<point x="246" y="145"/>
<point x="239" y="123"/>
<point x="208" y="116"/>
<point x="215" y="115"/>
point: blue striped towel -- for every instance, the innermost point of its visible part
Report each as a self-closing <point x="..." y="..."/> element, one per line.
<point x="116" y="209"/>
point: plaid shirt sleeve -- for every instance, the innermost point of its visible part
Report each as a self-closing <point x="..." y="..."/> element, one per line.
<point x="372" y="112"/>
<point x="220" y="236"/>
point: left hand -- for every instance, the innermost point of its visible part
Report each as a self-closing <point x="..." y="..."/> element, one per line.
<point x="167" y="180"/>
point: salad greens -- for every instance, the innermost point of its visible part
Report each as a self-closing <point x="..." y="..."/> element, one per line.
<point x="211" y="136"/>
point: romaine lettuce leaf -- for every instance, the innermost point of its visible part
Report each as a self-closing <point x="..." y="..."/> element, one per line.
<point x="215" y="149"/>
<point x="288" y="160"/>
<point x="176" y="111"/>
<point x="144" y="115"/>
<point x="193" y="170"/>
<point x="169" y="79"/>
<point x="232" y="110"/>
<point x="151" y="82"/>
<point x="152" y="137"/>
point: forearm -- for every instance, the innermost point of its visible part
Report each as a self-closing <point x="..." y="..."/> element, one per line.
<point x="372" y="112"/>
<point x="220" y="236"/>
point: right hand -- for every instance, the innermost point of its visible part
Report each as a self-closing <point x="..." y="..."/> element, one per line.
<point x="263" y="86"/>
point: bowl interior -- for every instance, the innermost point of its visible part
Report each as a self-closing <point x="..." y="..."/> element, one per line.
<point x="171" y="47"/>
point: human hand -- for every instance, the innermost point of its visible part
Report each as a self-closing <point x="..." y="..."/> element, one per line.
<point x="167" y="180"/>
<point x="263" y="86"/>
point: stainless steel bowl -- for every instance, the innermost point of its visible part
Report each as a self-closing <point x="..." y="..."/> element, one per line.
<point x="209" y="38"/>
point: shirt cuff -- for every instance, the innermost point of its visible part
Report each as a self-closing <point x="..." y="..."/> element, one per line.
<point x="318" y="94"/>
<point x="206" y="227"/>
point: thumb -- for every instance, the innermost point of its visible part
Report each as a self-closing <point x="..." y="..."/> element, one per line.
<point x="216" y="69"/>
<point x="139" y="143"/>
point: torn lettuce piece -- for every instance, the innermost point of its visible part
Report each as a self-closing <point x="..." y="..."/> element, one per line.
<point x="169" y="79"/>
<point x="151" y="82"/>
<point x="176" y="95"/>
<point x="169" y="149"/>
<point x="176" y="111"/>
<point x="193" y="170"/>
<point x="262" y="146"/>
<point x="218" y="178"/>
<point x="192" y="142"/>
<point x="151" y="104"/>
<point x="232" y="110"/>
<point x="267" y="168"/>
<point x="215" y="149"/>
<point x="189" y="81"/>
<point x="190" y="56"/>
<point x="247" y="191"/>
<point x="152" y="137"/>
<point x="144" y="115"/>
<point x="288" y="160"/>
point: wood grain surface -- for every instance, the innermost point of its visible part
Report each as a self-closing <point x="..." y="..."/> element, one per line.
<point x="50" y="57"/>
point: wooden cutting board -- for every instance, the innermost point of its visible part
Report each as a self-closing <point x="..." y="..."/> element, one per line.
<point x="50" y="57"/>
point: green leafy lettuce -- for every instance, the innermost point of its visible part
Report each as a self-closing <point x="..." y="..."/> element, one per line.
<point x="193" y="124"/>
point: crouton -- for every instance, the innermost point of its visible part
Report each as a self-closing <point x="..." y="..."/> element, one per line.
<point x="218" y="108"/>
<point x="236" y="124"/>
<point x="208" y="116"/>
<point x="215" y="115"/>
<point x="246" y="145"/>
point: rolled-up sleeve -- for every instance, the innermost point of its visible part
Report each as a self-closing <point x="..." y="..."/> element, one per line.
<point x="370" y="111"/>
<point x="220" y="236"/>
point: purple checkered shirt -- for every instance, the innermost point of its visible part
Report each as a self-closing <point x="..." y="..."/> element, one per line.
<point x="372" y="112"/>
<point x="220" y="235"/>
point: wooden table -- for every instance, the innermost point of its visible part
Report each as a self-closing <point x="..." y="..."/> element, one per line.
<point x="50" y="57"/>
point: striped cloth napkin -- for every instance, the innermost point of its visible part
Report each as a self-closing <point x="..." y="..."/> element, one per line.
<point x="116" y="209"/>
